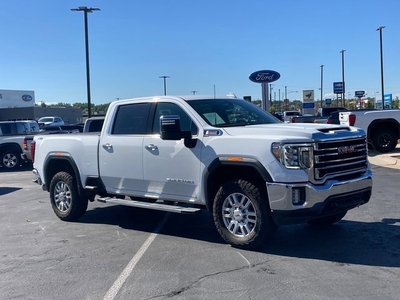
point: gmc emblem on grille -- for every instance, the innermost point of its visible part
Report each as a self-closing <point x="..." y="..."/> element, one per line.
<point x="346" y="149"/>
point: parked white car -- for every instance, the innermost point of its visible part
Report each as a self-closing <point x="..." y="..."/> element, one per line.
<point x="47" y="121"/>
<point x="287" y="115"/>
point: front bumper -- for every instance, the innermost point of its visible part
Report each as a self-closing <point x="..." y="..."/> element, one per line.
<point x="320" y="200"/>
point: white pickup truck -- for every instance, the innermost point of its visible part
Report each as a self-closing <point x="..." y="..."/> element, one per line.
<point x="226" y="155"/>
<point x="382" y="126"/>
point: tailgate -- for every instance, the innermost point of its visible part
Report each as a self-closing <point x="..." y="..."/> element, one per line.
<point x="344" y="117"/>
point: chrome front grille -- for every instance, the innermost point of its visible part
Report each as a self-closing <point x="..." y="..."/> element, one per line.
<point x="340" y="159"/>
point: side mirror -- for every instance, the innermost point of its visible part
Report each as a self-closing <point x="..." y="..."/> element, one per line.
<point x="170" y="128"/>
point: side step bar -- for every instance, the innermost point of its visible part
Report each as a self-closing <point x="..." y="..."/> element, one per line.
<point x="154" y="206"/>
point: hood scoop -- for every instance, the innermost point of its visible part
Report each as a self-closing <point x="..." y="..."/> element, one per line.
<point x="335" y="129"/>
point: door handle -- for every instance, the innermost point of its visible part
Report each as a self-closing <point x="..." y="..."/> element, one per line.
<point x="151" y="147"/>
<point x="108" y="146"/>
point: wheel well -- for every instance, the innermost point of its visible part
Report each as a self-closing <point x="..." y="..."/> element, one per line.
<point x="386" y="124"/>
<point x="225" y="173"/>
<point x="13" y="146"/>
<point x="55" y="165"/>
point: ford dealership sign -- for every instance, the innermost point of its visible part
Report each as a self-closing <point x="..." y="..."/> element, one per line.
<point x="27" y="98"/>
<point x="264" y="76"/>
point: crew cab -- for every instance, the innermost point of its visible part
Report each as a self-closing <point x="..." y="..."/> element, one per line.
<point x="184" y="154"/>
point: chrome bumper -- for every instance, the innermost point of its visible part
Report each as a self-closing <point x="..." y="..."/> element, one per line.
<point x="320" y="200"/>
<point x="38" y="180"/>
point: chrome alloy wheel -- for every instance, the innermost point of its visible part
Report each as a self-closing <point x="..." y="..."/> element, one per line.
<point x="62" y="196"/>
<point x="239" y="214"/>
<point x="10" y="160"/>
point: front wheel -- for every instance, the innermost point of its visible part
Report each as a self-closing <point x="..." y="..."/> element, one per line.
<point x="65" y="200"/>
<point x="384" y="140"/>
<point x="242" y="215"/>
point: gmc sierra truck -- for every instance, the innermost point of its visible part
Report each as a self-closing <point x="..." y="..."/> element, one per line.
<point x="382" y="126"/>
<point x="183" y="154"/>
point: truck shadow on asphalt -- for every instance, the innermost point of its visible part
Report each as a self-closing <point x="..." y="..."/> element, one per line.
<point x="394" y="153"/>
<point x="8" y="190"/>
<point x="344" y="243"/>
<point x="23" y="167"/>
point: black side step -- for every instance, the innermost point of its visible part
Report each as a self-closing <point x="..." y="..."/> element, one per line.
<point x="154" y="206"/>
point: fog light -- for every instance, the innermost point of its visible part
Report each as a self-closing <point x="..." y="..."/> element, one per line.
<point x="298" y="196"/>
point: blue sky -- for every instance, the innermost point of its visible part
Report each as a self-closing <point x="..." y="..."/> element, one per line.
<point x="199" y="44"/>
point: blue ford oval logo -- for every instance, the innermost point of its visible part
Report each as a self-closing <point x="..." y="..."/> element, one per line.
<point x="264" y="76"/>
<point x="27" y="98"/>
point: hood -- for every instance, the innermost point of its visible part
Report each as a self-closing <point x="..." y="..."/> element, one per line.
<point x="293" y="131"/>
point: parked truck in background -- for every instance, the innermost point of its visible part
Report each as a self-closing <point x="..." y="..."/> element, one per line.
<point x="12" y="135"/>
<point x="225" y="155"/>
<point x="382" y="126"/>
<point x="325" y="115"/>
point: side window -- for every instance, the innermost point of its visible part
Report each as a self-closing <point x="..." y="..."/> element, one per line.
<point x="166" y="108"/>
<point x="131" y="119"/>
<point x="6" y="128"/>
<point x="34" y="127"/>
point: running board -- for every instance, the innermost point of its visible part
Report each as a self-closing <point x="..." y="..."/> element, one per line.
<point x="154" y="206"/>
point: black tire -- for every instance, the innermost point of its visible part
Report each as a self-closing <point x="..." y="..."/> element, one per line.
<point x="325" y="221"/>
<point x="247" y="223"/>
<point x="65" y="200"/>
<point x="10" y="159"/>
<point x="384" y="140"/>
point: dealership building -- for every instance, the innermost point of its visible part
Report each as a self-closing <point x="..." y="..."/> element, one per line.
<point x="20" y="105"/>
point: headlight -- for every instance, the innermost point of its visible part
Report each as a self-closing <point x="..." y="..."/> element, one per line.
<point x="293" y="156"/>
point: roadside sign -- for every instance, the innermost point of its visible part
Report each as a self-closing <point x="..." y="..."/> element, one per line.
<point x="359" y="94"/>
<point x="308" y="105"/>
<point x="328" y="101"/>
<point x="338" y="87"/>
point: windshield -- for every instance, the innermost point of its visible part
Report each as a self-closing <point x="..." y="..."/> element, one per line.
<point x="231" y="112"/>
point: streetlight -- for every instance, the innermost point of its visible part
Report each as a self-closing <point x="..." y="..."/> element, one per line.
<point x="375" y="98"/>
<point x="87" y="10"/>
<point x="194" y="92"/>
<point x="322" y="76"/>
<point x="165" y="83"/>
<point x="343" y="85"/>
<point x="380" y="42"/>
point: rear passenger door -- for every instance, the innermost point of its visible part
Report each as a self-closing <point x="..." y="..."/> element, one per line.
<point x="120" y="150"/>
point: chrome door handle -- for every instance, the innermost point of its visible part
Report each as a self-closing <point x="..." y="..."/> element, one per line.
<point x="151" y="147"/>
<point x="108" y="146"/>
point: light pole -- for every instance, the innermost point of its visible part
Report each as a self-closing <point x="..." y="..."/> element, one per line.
<point x="380" y="43"/>
<point x="322" y="81"/>
<point x="270" y="93"/>
<point x="165" y="83"/>
<point x="375" y="98"/>
<point x="343" y="85"/>
<point x="87" y="10"/>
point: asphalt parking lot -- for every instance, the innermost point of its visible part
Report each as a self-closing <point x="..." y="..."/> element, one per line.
<point x="117" y="252"/>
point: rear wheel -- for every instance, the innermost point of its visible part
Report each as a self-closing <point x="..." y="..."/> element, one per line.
<point x="327" y="220"/>
<point x="384" y="140"/>
<point x="242" y="215"/>
<point x="65" y="200"/>
<point x="10" y="159"/>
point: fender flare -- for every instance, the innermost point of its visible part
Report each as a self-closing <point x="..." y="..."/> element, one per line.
<point x="71" y="162"/>
<point x="223" y="161"/>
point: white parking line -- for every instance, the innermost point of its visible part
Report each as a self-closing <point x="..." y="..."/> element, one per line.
<point x="113" y="291"/>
